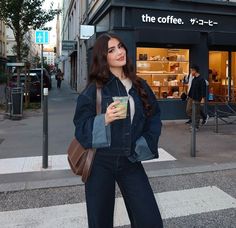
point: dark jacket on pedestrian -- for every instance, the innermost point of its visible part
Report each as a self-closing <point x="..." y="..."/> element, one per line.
<point x="121" y="137"/>
<point x="198" y="88"/>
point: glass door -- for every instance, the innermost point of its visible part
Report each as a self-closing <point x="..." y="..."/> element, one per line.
<point x="222" y="75"/>
<point x="233" y="76"/>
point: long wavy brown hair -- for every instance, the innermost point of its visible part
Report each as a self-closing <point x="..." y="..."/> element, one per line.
<point x="100" y="70"/>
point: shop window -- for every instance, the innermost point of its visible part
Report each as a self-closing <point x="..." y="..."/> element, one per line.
<point x="218" y="75"/>
<point x="164" y="70"/>
<point x="222" y="80"/>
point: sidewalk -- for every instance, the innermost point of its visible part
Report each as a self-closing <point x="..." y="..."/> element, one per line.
<point x="24" y="139"/>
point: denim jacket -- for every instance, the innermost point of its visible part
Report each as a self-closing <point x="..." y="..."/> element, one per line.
<point x="119" y="137"/>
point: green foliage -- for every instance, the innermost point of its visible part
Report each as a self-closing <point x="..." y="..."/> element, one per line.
<point x="23" y="15"/>
<point x="45" y="65"/>
<point x="24" y="50"/>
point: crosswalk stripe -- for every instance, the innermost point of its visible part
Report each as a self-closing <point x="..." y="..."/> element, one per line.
<point x="172" y="204"/>
<point x="55" y="162"/>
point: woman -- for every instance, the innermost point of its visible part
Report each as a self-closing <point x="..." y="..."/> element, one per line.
<point x="120" y="143"/>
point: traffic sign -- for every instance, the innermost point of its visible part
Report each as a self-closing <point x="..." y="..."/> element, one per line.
<point x="41" y="37"/>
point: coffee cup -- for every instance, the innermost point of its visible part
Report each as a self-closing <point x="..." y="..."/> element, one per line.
<point x="123" y="103"/>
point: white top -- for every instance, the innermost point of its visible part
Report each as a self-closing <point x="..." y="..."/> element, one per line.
<point x="128" y="84"/>
<point x="190" y="79"/>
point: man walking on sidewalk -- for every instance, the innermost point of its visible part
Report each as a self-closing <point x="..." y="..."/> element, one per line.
<point x="59" y="78"/>
<point x="197" y="94"/>
<point x="188" y="80"/>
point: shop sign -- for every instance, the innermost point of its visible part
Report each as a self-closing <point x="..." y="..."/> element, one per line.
<point x="86" y="31"/>
<point x="68" y="45"/>
<point x="165" y="19"/>
<point x="171" y="19"/>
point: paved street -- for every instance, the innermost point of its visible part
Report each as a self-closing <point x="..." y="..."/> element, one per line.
<point x="24" y="138"/>
<point x="184" y="50"/>
<point x="185" y="201"/>
<point x="191" y="192"/>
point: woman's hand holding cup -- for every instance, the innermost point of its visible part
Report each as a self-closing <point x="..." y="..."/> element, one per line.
<point x="114" y="112"/>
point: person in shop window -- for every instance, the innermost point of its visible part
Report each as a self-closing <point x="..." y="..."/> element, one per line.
<point x="197" y="94"/>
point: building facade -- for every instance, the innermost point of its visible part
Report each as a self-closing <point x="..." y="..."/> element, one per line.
<point x="10" y="43"/>
<point x="74" y="60"/>
<point x="49" y="56"/>
<point x="165" y="37"/>
<point x="2" y="47"/>
<point x="69" y="31"/>
<point x="29" y="39"/>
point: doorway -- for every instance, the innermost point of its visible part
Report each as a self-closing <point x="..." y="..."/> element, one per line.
<point x="222" y="75"/>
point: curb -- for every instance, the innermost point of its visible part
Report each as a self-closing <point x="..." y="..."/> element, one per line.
<point x="76" y="181"/>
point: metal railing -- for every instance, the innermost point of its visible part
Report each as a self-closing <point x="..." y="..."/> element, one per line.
<point x="224" y="116"/>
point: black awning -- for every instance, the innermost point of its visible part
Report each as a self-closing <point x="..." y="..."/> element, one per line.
<point x="222" y="39"/>
<point x="3" y="60"/>
<point x="160" y="36"/>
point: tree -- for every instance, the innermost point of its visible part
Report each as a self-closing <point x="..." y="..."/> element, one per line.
<point x="22" y="16"/>
<point x="24" y="50"/>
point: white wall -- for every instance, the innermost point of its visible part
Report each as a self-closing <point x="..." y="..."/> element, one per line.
<point x="10" y="41"/>
<point x="29" y="38"/>
<point x="64" y="61"/>
<point x="50" y="57"/>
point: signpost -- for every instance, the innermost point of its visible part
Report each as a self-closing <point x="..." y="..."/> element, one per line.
<point x="42" y="37"/>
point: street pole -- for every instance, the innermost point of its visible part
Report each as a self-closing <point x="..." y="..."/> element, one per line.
<point x="193" y="135"/>
<point x="45" y="128"/>
<point x="42" y="77"/>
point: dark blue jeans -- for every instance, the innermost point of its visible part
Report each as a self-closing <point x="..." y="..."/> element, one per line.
<point x="134" y="185"/>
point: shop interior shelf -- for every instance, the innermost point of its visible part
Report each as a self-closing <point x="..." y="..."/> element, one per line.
<point x="156" y="73"/>
<point x="160" y="61"/>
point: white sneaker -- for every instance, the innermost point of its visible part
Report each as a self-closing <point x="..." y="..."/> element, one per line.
<point x="204" y="122"/>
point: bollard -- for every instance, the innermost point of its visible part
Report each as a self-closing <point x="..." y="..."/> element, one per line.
<point x="193" y="135"/>
<point x="45" y="128"/>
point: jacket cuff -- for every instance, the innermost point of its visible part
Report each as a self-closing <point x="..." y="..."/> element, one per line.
<point x="142" y="151"/>
<point x="101" y="133"/>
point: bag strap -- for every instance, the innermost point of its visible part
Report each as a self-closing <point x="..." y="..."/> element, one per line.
<point x="99" y="101"/>
<point x="91" y="152"/>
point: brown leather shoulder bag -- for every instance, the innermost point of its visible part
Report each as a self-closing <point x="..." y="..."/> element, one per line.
<point x="79" y="158"/>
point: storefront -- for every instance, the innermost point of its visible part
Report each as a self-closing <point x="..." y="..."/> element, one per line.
<point x="163" y="43"/>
